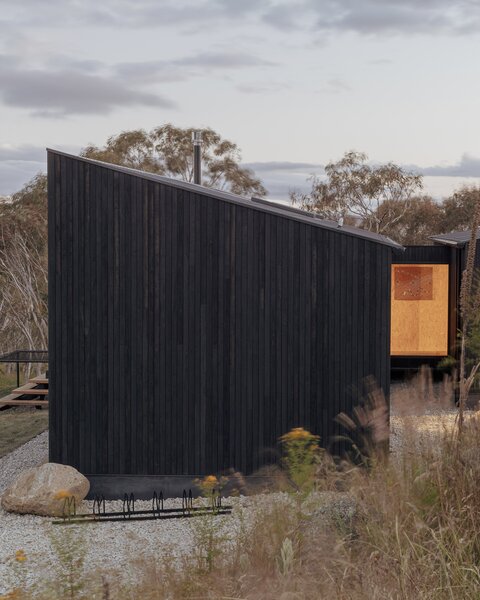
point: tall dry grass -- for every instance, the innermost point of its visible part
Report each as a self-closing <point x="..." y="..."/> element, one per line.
<point x="404" y="529"/>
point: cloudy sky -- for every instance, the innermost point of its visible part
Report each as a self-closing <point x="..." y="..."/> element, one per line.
<point x="295" y="83"/>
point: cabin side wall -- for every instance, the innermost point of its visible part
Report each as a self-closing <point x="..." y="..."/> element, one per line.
<point x="187" y="333"/>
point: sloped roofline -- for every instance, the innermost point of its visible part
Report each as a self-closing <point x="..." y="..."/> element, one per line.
<point x="458" y="239"/>
<point x="259" y="204"/>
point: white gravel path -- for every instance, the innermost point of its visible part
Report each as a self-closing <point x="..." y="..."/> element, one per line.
<point x="109" y="546"/>
<point x="113" y="547"/>
<point x="31" y="454"/>
<point x="420" y="414"/>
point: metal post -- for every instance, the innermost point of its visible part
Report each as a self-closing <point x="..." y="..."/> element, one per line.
<point x="18" y="374"/>
<point x="197" y="157"/>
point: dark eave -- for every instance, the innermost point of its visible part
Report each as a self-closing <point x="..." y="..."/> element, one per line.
<point x="456" y="239"/>
<point x="260" y="204"/>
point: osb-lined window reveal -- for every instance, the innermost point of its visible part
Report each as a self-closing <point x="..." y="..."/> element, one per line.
<point x="419" y="321"/>
<point x="413" y="283"/>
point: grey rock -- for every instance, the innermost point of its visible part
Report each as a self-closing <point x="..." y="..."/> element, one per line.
<point x="42" y="490"/>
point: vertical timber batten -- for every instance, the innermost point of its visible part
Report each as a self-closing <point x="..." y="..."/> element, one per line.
<point x="187" y="333"/>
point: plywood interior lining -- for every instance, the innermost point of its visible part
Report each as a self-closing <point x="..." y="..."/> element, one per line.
<point x="419" y="318"/>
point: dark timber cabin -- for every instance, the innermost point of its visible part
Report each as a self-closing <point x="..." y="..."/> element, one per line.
<point x="190" y="328"/>
<point x="425" y="300"/>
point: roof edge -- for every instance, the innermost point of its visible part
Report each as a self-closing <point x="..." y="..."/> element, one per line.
<point x="267" y="206"/>
<point x="444" y="242"/>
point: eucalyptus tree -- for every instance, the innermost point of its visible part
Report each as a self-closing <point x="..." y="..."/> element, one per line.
<point x="167" y="150"/>
<point x="353" y="187"/>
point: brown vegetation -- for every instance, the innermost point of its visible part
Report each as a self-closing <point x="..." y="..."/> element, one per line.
<point x="23" y="268"/>
<point x="414" y="533"/>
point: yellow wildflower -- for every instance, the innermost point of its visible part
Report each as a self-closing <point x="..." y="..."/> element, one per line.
<point x="209" y="484"/>
<point x="298" y="434"/>
<point x="20" y="556"/>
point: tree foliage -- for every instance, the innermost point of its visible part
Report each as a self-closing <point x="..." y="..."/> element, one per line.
<point x="423" y="218"/>
<point x="385" y="199"/>
<point x="377" y="195"/>
<point x="23" y="268"/>
<point x="459" y="209"/>
<point x="470" y="314"/>
<point x="167" y="150"/>
<point x="427" y="217"/>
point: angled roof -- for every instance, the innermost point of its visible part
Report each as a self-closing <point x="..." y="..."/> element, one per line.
<point x="454" y="238"/>
<point x="268" y="206"/>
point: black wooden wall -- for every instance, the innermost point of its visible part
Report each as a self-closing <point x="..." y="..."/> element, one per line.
<point x="424" y="254"/>
<point x="188" y="333"/>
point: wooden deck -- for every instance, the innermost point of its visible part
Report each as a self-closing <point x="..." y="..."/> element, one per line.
<point x="40" y="380"/>
<point x="34" y="393"/>
<point x="31" y="389"/>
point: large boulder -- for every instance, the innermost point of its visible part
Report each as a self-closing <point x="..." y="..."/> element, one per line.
<point x="43" y="490"/>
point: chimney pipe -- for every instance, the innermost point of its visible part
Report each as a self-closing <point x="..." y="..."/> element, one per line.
<point x="197" y="157"/>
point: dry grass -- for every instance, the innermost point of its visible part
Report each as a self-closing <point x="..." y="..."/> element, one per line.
<point x="414" y="534"/>
<point x="19" y="425"/>
<point x="8" y="381"/>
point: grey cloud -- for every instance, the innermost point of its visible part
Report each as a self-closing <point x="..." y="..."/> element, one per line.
<point x="63" y="92"/>
<point x="151" y="13"/>
<point x="223" y="60"/>
<point x="334" y="86"/>
<point x="263" y="87"/>
<point x="63" y="61"/>
<point x="282" y="166"/>
<point x="121" y="13"/>
<point x="66" y="85"/>
<point x="183" y="68"/>
<point x="18" y="164"/>
<point x="282" y="177"/>
<point x="364" y="17"/>
<point x="24" y="153"/>
<point x="13" y="175"/>
<point x="467" y="166"/>
<point x="388" y="19"/>
<point x="370" y="17"/>
<point x="282" y="17"/>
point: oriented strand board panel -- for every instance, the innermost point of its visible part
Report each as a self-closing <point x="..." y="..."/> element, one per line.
<point x="419" y="321"/>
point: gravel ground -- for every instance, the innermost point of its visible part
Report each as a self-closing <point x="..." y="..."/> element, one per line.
<point x="112" y="546"/>
<point x="108" y="546"/>
<point x="411" y="431"/>
<point x="31" y="454"/>
<point x="419" y="413"/>
<point x="115" y="547"/>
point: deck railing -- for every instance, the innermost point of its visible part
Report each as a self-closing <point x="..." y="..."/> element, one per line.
<point x="24" y="356"/>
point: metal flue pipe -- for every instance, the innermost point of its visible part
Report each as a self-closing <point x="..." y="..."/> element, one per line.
<point x="197" y="157"/>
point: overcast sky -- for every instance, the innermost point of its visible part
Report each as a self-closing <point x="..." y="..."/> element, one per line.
<point x="294" y="83"/>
